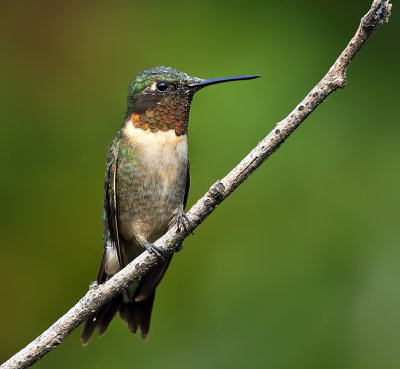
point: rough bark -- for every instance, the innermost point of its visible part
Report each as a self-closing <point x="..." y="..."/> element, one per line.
<point x="100" y="294"/>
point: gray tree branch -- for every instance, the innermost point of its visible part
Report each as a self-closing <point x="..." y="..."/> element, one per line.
<point x="98" y="295"/>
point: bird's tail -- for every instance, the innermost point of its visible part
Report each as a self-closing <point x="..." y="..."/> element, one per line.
<point x="134" y="304"/>
<point x="135" y="314"/>
<point x="138" y="315"/>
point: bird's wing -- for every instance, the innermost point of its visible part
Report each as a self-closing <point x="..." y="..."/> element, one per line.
<point x="110" y="220"/>
<point x="187" y="186"/>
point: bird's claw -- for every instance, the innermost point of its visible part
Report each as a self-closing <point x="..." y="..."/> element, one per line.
<point x="153" y="249"/>
<point x="182" y="220"/>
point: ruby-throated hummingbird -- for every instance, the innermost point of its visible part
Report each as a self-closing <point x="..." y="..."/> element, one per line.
<point x="146" y="188"/>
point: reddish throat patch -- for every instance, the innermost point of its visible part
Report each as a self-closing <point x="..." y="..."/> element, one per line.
<point x="163" y="119"/>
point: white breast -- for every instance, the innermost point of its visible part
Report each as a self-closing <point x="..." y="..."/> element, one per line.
<point x="163" y="151"/>
<point x="162" y="174"/>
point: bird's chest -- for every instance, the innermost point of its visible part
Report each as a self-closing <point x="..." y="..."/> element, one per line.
<point x="152" y="179"/>
<point x="161" y="170"/>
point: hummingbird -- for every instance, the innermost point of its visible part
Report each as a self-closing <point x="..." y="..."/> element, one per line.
<point x="146" y="188"/>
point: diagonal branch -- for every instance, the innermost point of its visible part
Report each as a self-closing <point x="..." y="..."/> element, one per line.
<point x="98" y="295"/>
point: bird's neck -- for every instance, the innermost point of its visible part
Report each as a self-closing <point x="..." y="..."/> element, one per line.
<point x="150" y="143"/>
<point x="163" y="118"/>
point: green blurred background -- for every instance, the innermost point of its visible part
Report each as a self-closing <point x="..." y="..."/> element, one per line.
<point x="299" y="268"/>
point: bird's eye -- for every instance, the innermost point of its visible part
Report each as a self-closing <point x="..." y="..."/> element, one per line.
<point x="162" y="86"/>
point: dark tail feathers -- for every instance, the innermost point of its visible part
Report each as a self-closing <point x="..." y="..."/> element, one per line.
<point x="135" y="314"/>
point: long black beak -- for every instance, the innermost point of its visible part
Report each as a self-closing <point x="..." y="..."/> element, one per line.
<point x="213" y="81"/>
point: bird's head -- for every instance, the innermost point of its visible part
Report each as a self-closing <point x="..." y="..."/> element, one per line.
<point x="160" y="98"/>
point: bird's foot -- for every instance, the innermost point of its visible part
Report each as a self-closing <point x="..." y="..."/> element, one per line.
<point x="182" y="221"/>
<point x="153" y="249"/>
